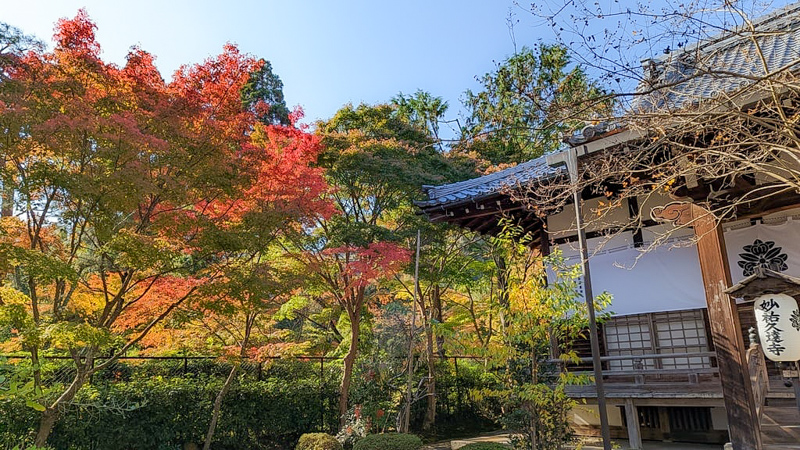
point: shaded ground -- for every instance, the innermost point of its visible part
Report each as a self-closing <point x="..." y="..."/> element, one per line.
<point x="588" y="445"/>
<point x="653" y="445"/>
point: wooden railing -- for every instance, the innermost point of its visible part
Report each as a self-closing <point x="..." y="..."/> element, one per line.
<point x="757" y="368"/>
<point x="639" y="371"/>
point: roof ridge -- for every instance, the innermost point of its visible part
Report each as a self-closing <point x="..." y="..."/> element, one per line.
<point x="778" y="32"/>
<point x="727" y="38"/>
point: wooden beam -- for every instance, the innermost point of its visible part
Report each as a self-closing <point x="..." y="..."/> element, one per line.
<point x="743" y="424"/>
<point x="605" y="232"/>
<point x="785" y="200"/>
<point x="530" y="223"/>
<point x="544" y="241"/>
<point x="486" y="212"/>
<point x="473" y="223"/>
<point x="456" y="214"/>
<point x="632" y="423"/>
<point x="633" y="214"/>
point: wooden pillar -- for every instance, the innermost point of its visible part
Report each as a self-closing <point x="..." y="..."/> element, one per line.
<point x="726" y="333"/>
<point x="663" y="421"/>
<point x="632" y="423"/>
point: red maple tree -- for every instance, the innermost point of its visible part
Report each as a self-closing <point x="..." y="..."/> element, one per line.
<point x="134" y="193"/>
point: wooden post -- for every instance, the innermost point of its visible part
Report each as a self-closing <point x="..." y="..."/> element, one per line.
<point x="663" y="421"/>
<point x="632" y="422"/>
<point x="726" y="333"/>
<point x="797" y="384"/>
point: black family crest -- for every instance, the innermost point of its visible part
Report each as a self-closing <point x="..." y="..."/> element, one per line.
<point x="762" y="254"/>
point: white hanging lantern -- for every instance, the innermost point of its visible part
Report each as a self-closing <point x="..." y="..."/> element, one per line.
<point x="778" y="319"/>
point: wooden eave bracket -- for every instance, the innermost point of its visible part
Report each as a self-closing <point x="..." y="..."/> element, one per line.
<point x="680" y="213"/>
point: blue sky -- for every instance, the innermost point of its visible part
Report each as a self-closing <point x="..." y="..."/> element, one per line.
<point x="327" y="52"/>
<point x="331" y="52"/>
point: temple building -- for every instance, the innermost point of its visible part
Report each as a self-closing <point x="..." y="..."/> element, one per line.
<point x="675" y="358"/>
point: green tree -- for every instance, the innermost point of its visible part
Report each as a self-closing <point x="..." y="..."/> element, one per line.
<point x="13" y="44"/>
<point x="421" y="109"/>
<point x="263" y="94"/>
<point x="538" y="320"/>
<point x="376" y="162"/>
<point x="248" y="293"/>
<point x="446" y="255"/>
<point x="527" y="103"/>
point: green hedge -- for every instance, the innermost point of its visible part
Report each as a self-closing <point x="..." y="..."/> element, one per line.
<point x="388" y="441"/>
<point x="161" y="414"/>
<point x="318" y="441"/>
<point x="16" y="423"/>
<point x="153" y="405"/>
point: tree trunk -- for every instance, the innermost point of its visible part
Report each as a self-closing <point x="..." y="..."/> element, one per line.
<point x="50" y="414"/>
<point x="438" y="314"/>
<point x="430" y="411"/>
<point x="532" y="426"/>
<point x="218" y="406"/>
<point x="248" y="327"/>
<point x="37" y="370"/>
<point x="7" y="208"/>
<point x="532" y="405"/>
<point x="6" y="197"/>
<point x="349" y="362"/>
<point x="502" y="280"/>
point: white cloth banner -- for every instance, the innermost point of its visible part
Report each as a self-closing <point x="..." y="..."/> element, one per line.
<point x="775" y="247"/>
<point x="668" y="278"/>
<point x="663" y="279"/>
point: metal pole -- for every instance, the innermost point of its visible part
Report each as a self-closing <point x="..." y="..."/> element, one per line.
<point x="572" y="167"/>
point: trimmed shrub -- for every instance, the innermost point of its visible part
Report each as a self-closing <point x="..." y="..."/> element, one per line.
<point x="389" y="441"/>
<point x="318" y="441"/>
<point x="486" y="446"/>
<point x="166" y="413"/>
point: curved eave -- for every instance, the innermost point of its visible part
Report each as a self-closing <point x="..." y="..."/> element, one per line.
<point x="485" y="215"/>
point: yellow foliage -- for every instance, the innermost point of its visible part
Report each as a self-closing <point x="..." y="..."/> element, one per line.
<point x="11" y="296"/>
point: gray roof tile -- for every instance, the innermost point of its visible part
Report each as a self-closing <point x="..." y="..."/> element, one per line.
<point x="723" y="63"/>
<point x="488" y="184"/>
<point x="693" y="74"/>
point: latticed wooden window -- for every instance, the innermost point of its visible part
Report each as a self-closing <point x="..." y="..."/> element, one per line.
<point x="681" y="332"/>
<point x="629" y="335"/>
<point x="657" y="333"/>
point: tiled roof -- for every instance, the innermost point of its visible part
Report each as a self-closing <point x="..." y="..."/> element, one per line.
<point x="488" y="184"/>
<point x="691" y="74"/>
<point x="724" y="63"/>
